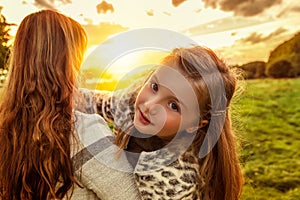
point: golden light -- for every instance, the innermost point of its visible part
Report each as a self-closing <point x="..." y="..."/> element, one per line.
<point x="129" y="68"/>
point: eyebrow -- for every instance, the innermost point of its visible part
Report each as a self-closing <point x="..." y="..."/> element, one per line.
<point x="171" y="97"/>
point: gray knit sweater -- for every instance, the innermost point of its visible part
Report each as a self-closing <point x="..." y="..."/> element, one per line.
<point x="96" y="169"/>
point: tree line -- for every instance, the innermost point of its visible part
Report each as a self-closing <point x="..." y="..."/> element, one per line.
<point x="283" y="62"/>
<point x="5" y="27"/>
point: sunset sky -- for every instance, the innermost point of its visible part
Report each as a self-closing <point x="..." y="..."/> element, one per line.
<point x="239" y="30"/>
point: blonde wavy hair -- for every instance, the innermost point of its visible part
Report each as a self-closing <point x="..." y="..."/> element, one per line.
<point x="36" y="107"/>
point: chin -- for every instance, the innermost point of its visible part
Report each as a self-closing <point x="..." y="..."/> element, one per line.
<point x="139" y="129"/>
<point x="142" y="129"/>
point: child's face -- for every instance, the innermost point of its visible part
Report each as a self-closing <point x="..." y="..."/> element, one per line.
<point x="166" y="104"/>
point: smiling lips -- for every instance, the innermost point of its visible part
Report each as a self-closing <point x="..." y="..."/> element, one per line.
<point x="143" y="118"/>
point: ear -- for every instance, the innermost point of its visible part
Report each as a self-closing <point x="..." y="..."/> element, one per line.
<point x="203" y="123"/>
<point x="192" y="129"/>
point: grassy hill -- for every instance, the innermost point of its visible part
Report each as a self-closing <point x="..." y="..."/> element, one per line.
<point x="288" y="52"/>
<point x="268" y="117"/>
<point x="283" y="62"/>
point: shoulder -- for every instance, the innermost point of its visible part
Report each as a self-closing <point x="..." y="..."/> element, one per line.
<point x="175" y="179"/>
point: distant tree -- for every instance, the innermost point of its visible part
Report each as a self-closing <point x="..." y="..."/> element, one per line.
<point x="280" y="69"/>
<point x="288" y="51"/>
<point x="254" y="70"/>
<point x="4" y="38"/>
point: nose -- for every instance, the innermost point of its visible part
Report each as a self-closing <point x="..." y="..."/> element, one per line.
<point x="152" y="105"/>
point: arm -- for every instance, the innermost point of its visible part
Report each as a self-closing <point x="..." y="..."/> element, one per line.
<point x="94" y="161"/>
<point x="95" y="101"/>
<point x="115" y="107"/>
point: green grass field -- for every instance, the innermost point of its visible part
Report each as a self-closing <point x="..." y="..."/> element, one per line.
<point x="266" y="116"/>
<point x="267" y="119"/>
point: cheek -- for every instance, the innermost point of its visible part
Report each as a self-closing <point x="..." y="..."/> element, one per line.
<point x="189" y="120"/>
<point x="172" y="122"/>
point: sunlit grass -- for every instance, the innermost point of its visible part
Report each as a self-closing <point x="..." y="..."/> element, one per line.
<point x="266" y="117"/>
<point x="269" y="127"/>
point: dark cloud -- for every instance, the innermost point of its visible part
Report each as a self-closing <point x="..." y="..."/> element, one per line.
<point x="177" y="2"/>
<point x="104" y="7"/>
<point x="99" y="33"/>
<point x="44" y="4"/>
<point x="285" y="12"/>
<point x="255" y="38"/>
<point x="242" y="7"/>
<point x="296" y="9"/>
<point x="241" y="52"/>
<point x="50" y="4"/>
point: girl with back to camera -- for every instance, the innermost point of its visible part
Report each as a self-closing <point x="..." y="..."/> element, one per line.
<point x="162" y="114"/>
<point x="40" y="135"/>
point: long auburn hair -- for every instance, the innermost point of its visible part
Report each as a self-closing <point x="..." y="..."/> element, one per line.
<point x="220" y="167"/>
<point x="36" y="107"/>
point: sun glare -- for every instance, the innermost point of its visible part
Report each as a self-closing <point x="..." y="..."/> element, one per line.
<point x="122" y="72"/>
<point x="133" y="60"/>
<point x="130" y="67"/>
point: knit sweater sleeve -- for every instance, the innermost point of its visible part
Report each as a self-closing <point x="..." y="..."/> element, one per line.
<point x="96" y="168"/>
<point x="96" y="101"/>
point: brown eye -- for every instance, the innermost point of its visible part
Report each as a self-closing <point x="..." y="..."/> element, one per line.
<point x="154" y="87"/>
<point x="174" y="106"/>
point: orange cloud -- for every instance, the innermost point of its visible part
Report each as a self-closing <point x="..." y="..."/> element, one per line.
<point x="177" y="2"/>
<point x="48" y="3"/>
<point x="104" y="7"/>
<point x="150" y="12"/>
<point x="242" y="8"/>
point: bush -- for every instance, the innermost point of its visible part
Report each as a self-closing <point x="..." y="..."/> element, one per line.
<point x="288" y="51"/>
<point x="280" y="69"/>
<point x="254" y="70"/>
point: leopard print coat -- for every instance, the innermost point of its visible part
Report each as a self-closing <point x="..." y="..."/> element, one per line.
<point x="163" y="174"/>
